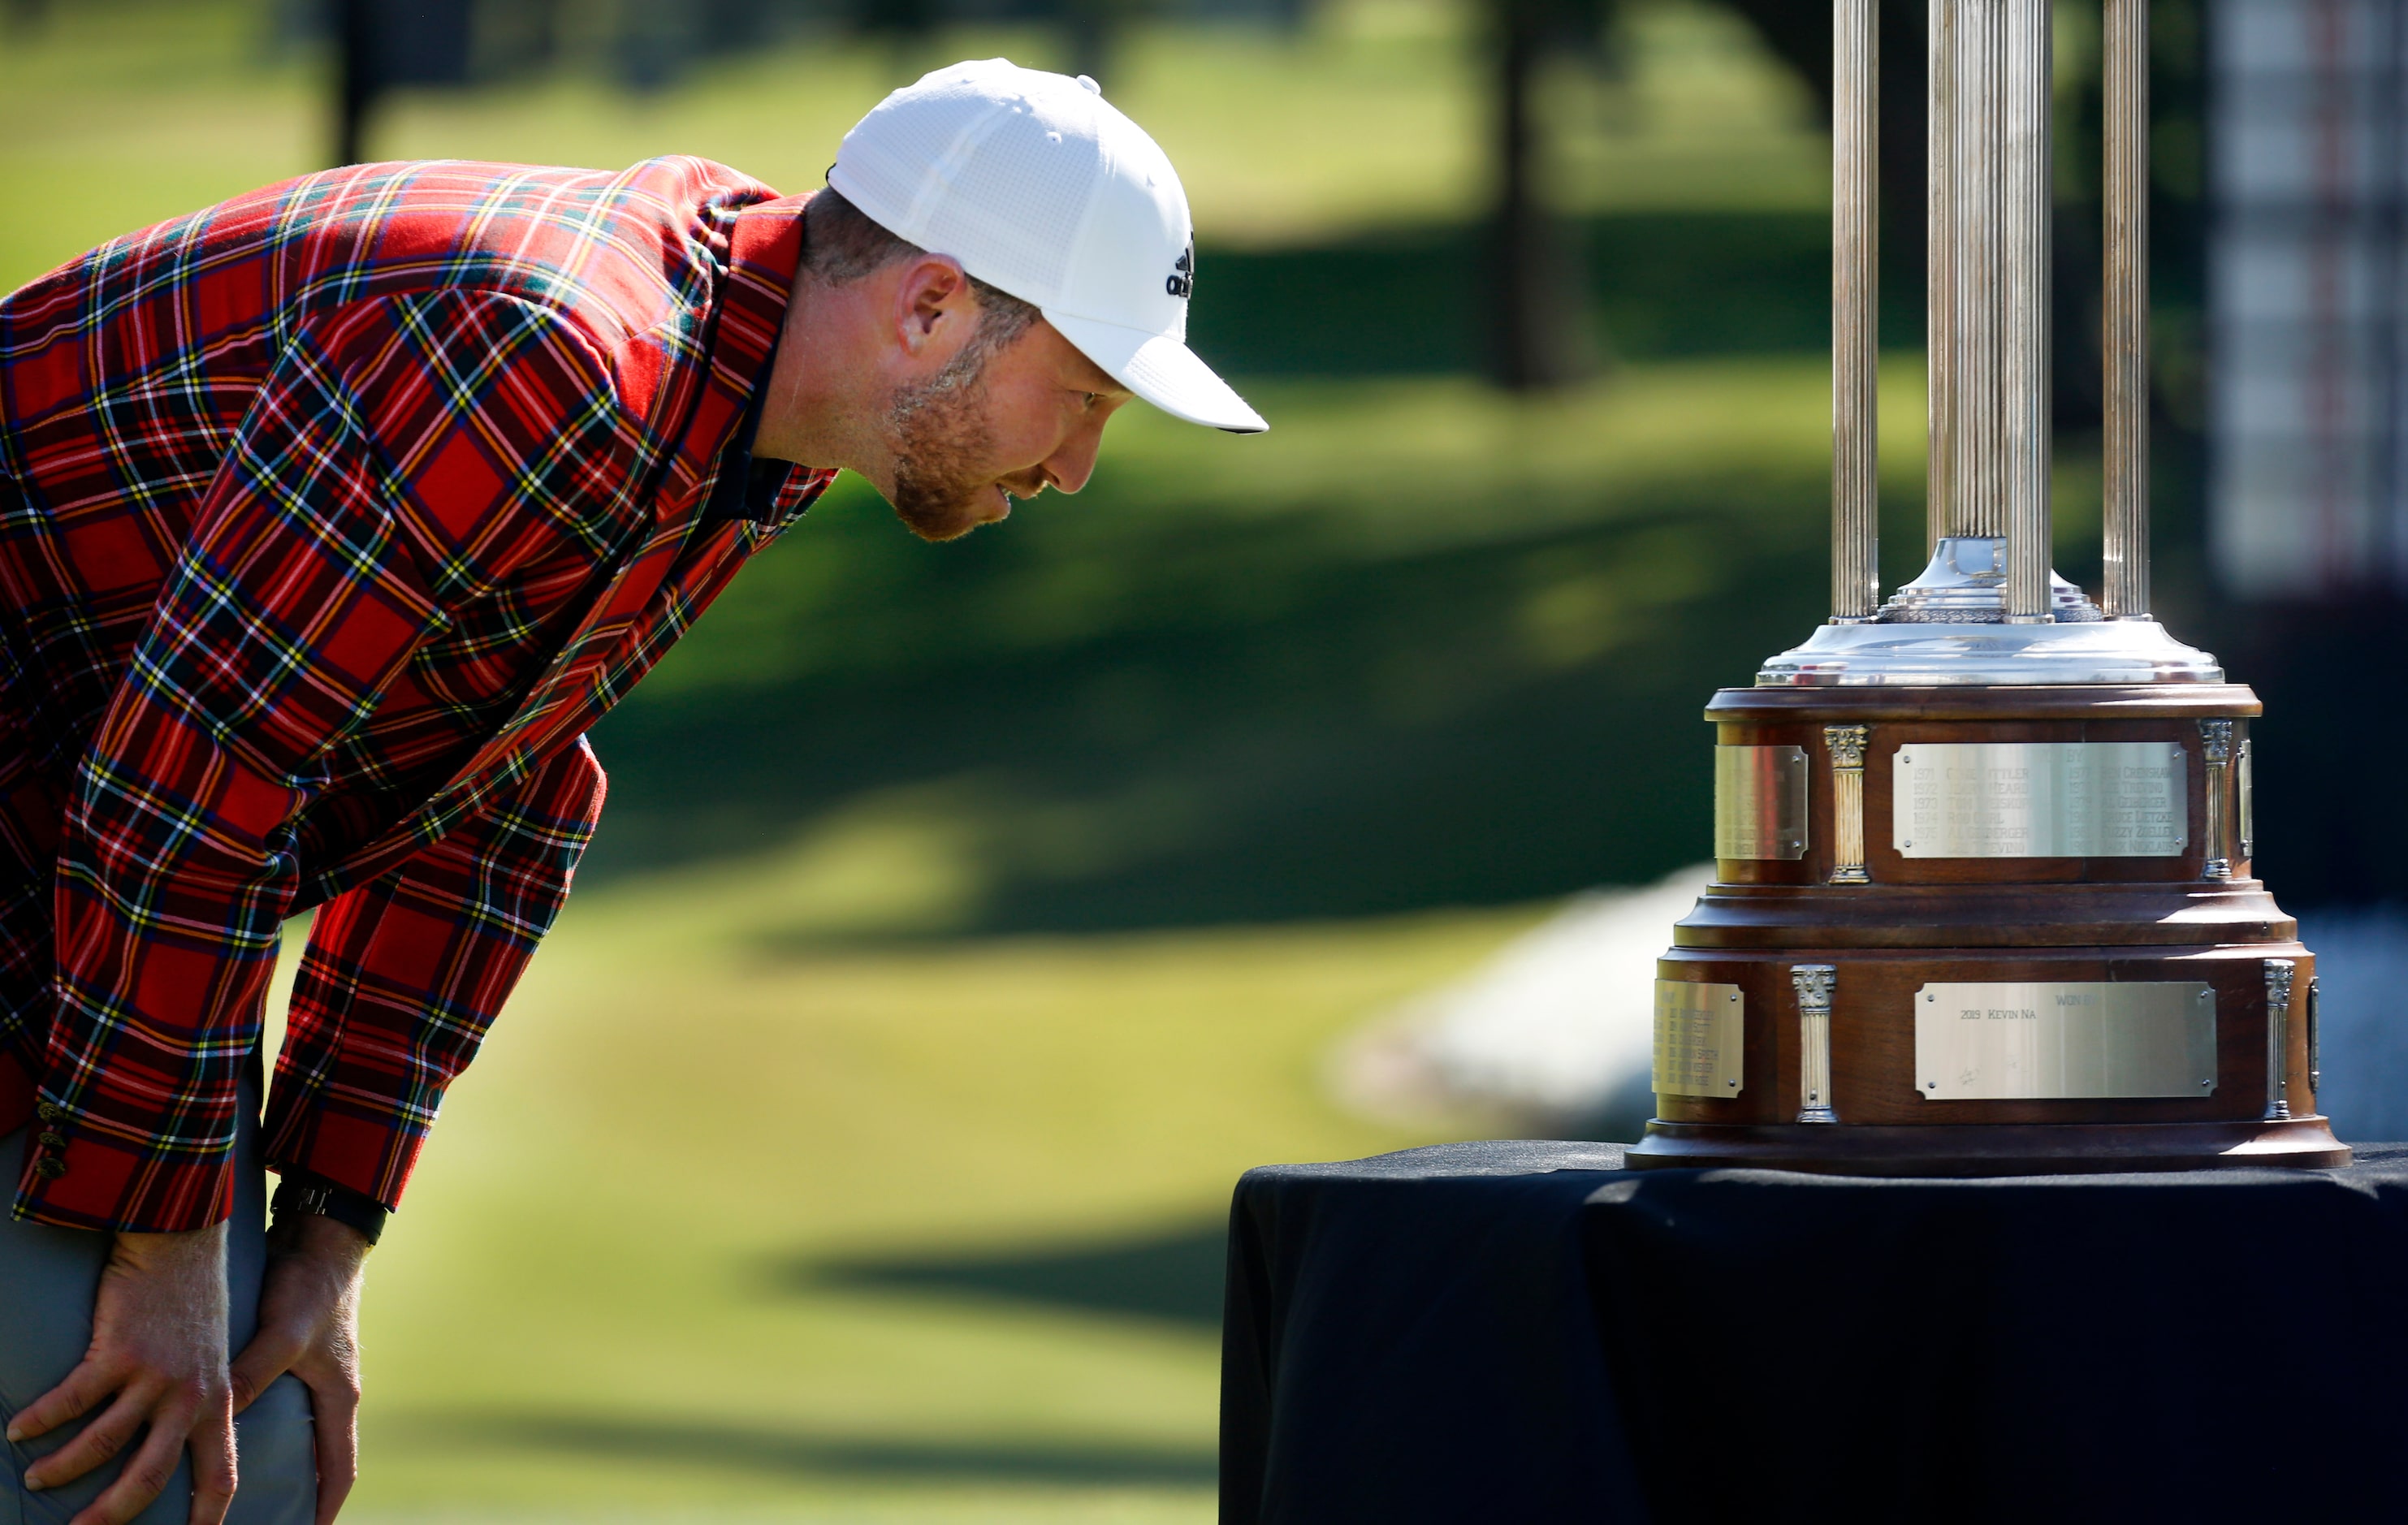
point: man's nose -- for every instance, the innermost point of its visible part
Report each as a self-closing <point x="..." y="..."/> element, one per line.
<point x="1071" y="465"/>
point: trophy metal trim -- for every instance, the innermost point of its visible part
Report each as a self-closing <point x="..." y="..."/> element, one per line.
<point x="1846" y="745"/>
<point x="1813" y="984"/>
<point x="2279" y="974"/>
<point x="2058" y="957"/>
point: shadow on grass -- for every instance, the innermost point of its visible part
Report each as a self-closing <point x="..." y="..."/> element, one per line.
<point x="1239" y="720"/>
<point x="1173" y="1275"/>
<point x="801" y="1453"/>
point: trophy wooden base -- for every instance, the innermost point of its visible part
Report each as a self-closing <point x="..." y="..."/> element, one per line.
<point x="2059" y="1148"/>
<point x="1878" y="983"/>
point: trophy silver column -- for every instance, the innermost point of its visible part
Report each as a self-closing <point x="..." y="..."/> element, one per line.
<point x="1988" y="609"/>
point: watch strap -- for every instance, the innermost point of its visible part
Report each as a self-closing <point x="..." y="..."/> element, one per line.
<point x="304" y="1195"/>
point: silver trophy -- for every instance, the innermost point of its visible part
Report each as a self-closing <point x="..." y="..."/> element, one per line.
<point x="1984" y="900"/>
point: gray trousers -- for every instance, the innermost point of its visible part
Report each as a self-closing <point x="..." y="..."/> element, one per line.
<point x="48" y="1278"/>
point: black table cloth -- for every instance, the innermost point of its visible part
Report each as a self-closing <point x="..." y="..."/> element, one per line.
<point x="1526" y="1332"/>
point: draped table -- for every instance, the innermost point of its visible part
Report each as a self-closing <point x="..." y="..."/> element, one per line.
<point x="1527" y="1332"/>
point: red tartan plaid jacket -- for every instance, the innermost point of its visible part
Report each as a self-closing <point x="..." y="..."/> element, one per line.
<point x="330" y="518"/>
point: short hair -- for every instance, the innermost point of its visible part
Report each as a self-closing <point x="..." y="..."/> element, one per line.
<point x="841" y="245"/>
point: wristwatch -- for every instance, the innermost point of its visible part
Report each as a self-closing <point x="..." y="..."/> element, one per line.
<point x="301" y="1196"/>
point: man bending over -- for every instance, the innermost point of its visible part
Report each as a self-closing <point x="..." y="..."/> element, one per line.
<point x="330" y="518"/>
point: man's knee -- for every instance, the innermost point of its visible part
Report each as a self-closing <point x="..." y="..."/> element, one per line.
<point x="276" y="1468"/>
<point x="57" y="1504"/>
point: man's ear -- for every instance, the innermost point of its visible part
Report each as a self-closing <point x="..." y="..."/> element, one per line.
<point x="932" y="302"/>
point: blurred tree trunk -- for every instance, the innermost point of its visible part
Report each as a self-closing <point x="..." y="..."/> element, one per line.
<point x="354" y="76"/>
<point x="1540" y="323"/>
<point x="383" y="43"/>
<point x="1092" y="26"/>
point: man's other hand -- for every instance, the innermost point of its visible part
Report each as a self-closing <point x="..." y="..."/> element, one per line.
<point x="310" y="1325"/>
<point x="159" y="1349"/>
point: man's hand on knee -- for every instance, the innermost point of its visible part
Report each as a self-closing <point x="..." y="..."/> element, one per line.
<point x="159" y="1350"/>
<point x="308" y="1325"/>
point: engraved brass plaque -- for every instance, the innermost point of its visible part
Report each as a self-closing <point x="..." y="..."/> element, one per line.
<point x="1698" y="1033"/>
<point x="1760" y="802"/>
<point x="2041" y="799"/>
<point x="2061" y="1041"/>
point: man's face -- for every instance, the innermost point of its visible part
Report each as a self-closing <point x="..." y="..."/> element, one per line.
<point x="990" y="427"/>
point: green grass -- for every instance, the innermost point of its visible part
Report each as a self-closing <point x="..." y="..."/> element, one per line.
<point x="690" y="1238"/>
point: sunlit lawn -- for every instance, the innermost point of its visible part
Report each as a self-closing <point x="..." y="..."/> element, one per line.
<point x="703" y="1229"/>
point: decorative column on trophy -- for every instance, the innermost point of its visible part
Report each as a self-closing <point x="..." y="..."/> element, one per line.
<point x="1983" y="903"/>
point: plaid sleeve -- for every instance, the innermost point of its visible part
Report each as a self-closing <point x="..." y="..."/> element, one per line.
<point x="403" y="975"/>
<point x="403" y="455"/>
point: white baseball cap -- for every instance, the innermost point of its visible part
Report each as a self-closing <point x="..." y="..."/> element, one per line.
<point x="1043" y="189"/>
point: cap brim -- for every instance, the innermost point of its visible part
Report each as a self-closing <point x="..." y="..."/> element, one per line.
<point x="1163" y="371"/>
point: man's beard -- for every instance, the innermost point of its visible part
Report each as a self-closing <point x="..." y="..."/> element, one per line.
<point x="941" y="443"/>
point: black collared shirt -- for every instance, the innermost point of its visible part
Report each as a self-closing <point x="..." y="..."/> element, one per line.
<point x="747" y="488"/>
